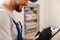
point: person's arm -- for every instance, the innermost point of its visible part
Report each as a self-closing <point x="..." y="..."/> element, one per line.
<point x="5" y="31"/>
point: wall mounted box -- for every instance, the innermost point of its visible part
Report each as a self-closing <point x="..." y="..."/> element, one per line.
<point x="31" y="20"/>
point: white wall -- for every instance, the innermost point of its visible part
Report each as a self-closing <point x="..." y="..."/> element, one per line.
<point x="54" y="13"/>
<point x="44" y="14"/>
<point x="50" y="10"/>
<point x="43" y="22"/>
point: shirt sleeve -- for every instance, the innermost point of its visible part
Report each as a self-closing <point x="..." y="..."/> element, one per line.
<point x="5" y="27"/>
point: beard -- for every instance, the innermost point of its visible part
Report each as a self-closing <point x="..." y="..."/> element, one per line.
<point x="17" y="8"/>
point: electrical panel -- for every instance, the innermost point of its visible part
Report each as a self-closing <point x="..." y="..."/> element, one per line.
<point x="31" y="20"/>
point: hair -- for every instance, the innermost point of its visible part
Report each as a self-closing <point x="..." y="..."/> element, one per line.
<point x="45" y="34"/>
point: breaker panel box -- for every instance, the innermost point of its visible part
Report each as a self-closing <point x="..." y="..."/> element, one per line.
<point x="31" y="20"/>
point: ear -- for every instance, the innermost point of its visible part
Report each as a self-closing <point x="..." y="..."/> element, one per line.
<point x="26" y="2"/>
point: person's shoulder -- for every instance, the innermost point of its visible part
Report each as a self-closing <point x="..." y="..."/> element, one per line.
<point x="3" y="15"/>
<point x="3" y="12"/>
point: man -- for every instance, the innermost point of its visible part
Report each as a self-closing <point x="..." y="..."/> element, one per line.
<point x="8" y="24"/>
